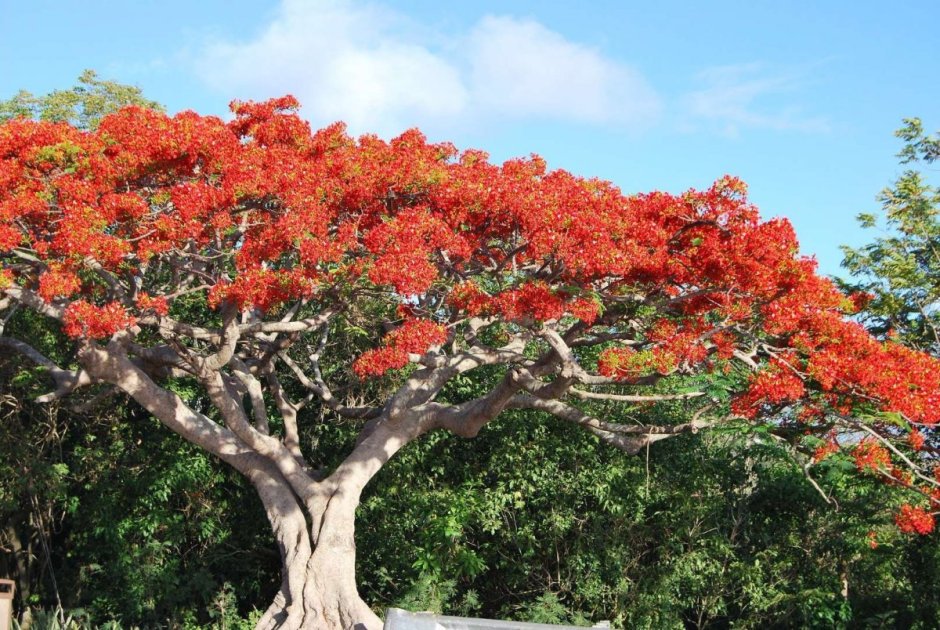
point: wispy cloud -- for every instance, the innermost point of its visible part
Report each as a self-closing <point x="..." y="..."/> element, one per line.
<point x="733" y="98"/>
<point x="371" y="67"/>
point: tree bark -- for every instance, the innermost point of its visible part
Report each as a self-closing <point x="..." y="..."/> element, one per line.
<point x="318" y="556"/>
<point x="318" y="588"/>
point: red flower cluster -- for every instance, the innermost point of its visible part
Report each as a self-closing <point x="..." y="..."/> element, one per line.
<point x="870" y="455"/>
<point x="415" y="336"/>
<point x="83" y="319"/>
<point x="470" y="298"/>
<point x="585" y="309"/>
<point x="58" y="282"/>
<point x="159" y="304"/>
<point x="404" y="246"/>
<point x="859" y="300"/>
<point x="262" y="289"/>
<point x="915" y="520"/>
<point x="627" y="364"/>
<point x="830" y="447"/>
<point x="533" y="300"/>
<point x="774" y="385"/>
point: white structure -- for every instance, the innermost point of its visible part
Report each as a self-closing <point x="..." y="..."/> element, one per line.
<point x="398" y="619"/>
<point x="6" y="604"/>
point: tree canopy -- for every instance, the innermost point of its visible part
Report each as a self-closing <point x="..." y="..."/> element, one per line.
<point x="227" y="255"/>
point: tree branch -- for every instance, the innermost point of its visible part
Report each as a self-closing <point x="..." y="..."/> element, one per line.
<point x="255" y="394"/>
<point x="631" y="438"/>
<point x="67" y="381"/>
<point x="634" y="397"/>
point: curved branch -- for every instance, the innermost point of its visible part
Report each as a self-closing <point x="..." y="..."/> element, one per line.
<point x="66" y="381"/>
<point x="629" y="438"/>
<point x="468" y="418"/>
<point x="112" y="365"/>
<point x="634" y="397"/>
<point x="36" y="303"/>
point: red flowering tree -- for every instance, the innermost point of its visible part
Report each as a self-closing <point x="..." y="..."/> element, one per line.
<point x="187" y="249"/>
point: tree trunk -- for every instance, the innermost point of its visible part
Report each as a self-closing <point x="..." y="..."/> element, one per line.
<point x="318" y="584"/>
<point x="318" y="588"/>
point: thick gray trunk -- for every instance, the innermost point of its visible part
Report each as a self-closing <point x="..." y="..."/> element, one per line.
<point x="318" y="585"/>
<point x="319" y="577"/>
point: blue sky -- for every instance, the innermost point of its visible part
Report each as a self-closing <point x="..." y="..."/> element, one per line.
<point x="798" y="98"/>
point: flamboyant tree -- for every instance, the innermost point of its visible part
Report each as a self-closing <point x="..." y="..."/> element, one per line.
<point x="185" y="254"/>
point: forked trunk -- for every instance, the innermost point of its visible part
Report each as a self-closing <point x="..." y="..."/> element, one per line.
<point x="318" y="586"/>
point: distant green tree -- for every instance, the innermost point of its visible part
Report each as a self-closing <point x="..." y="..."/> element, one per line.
<point x="901" y="268"/>
<point x="82" y="106"/>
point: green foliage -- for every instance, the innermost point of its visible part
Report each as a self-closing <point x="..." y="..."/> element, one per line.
<point x="160" y="528"/>
<point x="902" y="268"/>
<point x="719" y="530"/>
<point x="82" y="106"/>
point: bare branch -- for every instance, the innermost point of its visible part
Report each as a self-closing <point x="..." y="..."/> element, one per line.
<point x="557" y="388"/>
<point x="625" y="338"/>
<point x="226" y="352"/>
<point x="293" y="471"/>
<point x="608" y="431"/>
<point x="255" y="394"/>
<point x="67" y="381"/>
<point x="112" y="281"/>
<point x="468" y="418"/>
<point x="171" y="325"/>
<point x="634" y="397"/>
<point x="32" y="300"/>
<point x="569" y="361"/>
<point x="300" y="325"/>
<point x="288" y="411"/>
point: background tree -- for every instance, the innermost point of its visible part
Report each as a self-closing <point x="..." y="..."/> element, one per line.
<point x="557" y="295"/>
<point x="902" y="268"/>
<point x="713" y="529"/>
<point x="83" y="106"/>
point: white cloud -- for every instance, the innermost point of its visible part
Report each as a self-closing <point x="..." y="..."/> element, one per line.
<point x="342" y="62"/>
<point x="521" y="68"/>
<point x="377" y="71"/>
<point x="733" y="98"/>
